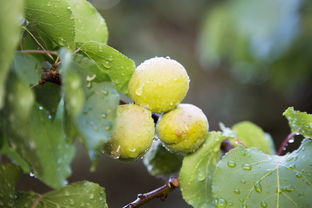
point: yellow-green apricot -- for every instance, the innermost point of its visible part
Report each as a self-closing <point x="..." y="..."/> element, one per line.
<point x="159" y="84"/>
<point x="133" y="132"/>
<point x="183" y="129"/>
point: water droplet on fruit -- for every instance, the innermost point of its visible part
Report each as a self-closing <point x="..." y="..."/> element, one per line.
<point x="231" y="164"/>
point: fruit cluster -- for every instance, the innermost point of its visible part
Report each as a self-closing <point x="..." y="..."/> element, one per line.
<point x="158" y="85"/>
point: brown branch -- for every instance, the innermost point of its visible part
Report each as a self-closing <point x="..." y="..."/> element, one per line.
<point x="284" y="144"/>
<point x="39" y="52"/>
<point x="161" y="192"/>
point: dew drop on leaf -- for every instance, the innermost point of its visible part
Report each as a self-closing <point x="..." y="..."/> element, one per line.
<point x="258" y="187"/>
<point x="237" y="191"/>
<point x="263" y="204"/>
<point x="231" y="164"/>
<point x="298" y="175"/>
<point x="221" y="203"/>
<point x="247" y="167"/>
<point x="201" y="175"/>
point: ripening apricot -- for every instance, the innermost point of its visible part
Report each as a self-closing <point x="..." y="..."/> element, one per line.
<point x="132" y="134"/>
<point x="159" y="84"/>
<point x="183" y="129"/>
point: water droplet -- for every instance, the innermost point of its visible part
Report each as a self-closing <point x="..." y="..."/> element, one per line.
<point x="40" y="107"/>
<point x="291" y="140"/>
<point x="244" y="206"/>
<point x="71" y="202"/>
<point x="49" y="116"/>
<point x="66" y="193"/>
<point x="258" y="187"/>
<point x="139" y="90"/>
<point x="247" y="167"/>
<point x="133" y="149"/>
<point x="221" y="203"/>
<point x="108" y="127"/>
<point x="237" y="191"/>
<point x="104" y="115"/>
<point x="201" y="175"/>
<point x="243" y="181"/>
<point x="105" y="92"/>
<point x="299" y="175"/>
<point x="90" y="78"/>
<point x="263" y="204"/>
<point x="116" y="152"/>
<point x="231" y="164"/>
<point x="91" y="196"/>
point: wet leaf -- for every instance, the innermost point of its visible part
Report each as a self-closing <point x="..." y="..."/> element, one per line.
<point x="261" y="180"/>
<point x="300" y="122"/>
<point x="160" y="162"/>
<point x="9" y="175"/>
<point x="197" y="171"/>
<point x="41" y="142"/>
<point x="11" y="13"/>
<point x="67" y="22"/>
<point x="82" y="194"/>
<point x="116" y="65"/>
<point x="253" y="136"/>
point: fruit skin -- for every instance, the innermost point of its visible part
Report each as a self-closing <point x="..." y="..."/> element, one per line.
<point x="183" y="129"/>
<point x="133" y="132"/>
<point x="159" y="84"/>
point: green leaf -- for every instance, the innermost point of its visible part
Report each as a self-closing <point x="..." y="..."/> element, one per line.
<point x="20" y="98"/>
<point x="27" y="67"/>
<point x="299" y="122"/>
<point x="82" y="194"/>
<point x="116" y="65"/>
<point x="89" y="24"/>
<point x="72" y="85"/>
<point x="197" y="171"/>
<point x="11" y="13"/>
<point x="9" y="175"/>
<point x="27" y="200"/>
<point x="41" y="142"/>
<point x="67" y="22"/>
<point x="48" y="96"/>
<point x="90" y="68"/>
<point x="253" y="136"/>
<point x="250" y="178"/>
<point x="10" y="151"/>
<point x="54" y="18"/>
<point x="160" y="162"/>
<point x="98" y="112"/>
<point x="97" y="118"/>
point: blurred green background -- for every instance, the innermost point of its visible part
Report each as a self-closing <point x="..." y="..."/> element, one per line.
<point x="247" y="60"/>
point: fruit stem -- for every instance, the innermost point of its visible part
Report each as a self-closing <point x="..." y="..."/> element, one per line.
<point x="284" y="144"/>
<point x="161" y="192"/>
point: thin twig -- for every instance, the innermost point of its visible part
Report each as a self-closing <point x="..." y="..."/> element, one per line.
<point x="285" y="143"/>
<point x="39" y="52"/>
<point x="161" y="192"/>
<point x="35" y="39"/>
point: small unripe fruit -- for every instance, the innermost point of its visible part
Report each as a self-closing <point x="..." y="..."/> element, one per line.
<point x="133" y="132"/>
<point x="159" y="84"/>
<point x="183" y="129"/>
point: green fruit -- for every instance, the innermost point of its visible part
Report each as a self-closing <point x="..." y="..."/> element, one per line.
<point x="183" y="129"/>
<point x="133" y="132"/>
<point x="159" y="84"/>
